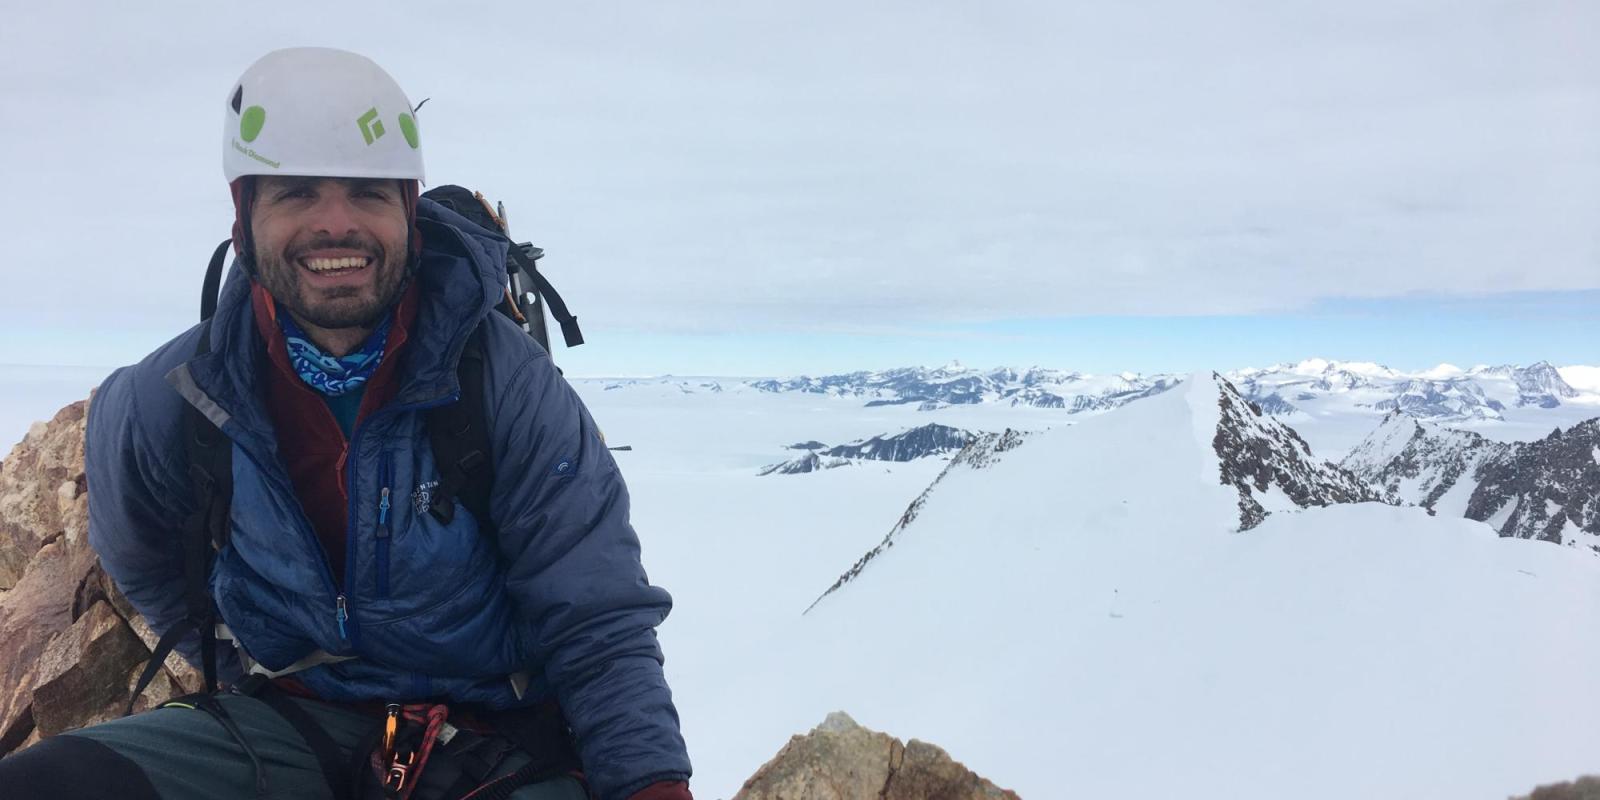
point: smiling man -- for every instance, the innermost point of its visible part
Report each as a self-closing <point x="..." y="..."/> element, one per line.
<point x="383" y="642"/>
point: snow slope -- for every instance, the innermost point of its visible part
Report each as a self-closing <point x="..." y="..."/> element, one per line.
<point x="1055" y="629"/>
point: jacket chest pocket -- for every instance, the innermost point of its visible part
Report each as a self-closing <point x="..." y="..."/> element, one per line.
<point x="416" y="560"/>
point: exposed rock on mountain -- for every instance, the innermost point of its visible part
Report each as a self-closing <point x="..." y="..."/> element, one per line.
<point x="1454" y="399"/>
<point x="840" y="760"/>
<point x="1271" y="466"/>
<point x="810" y="462"/>
<point x="70" y="646"/>
<point x="1541" y="385"/>
<point x="981" y="453"/>
<point x="1547" y="490"/>
<point x="928" y="440"/>
<point x="1423" y="465"/>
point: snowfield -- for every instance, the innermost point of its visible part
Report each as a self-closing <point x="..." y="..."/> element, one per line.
<point x="1081" y="619"/>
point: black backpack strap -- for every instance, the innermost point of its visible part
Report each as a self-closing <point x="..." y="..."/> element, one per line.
<point x="558" y="307"/>
<point x="459" y="433"/>
<point x="213" y="281"/>
<point x="205" y="532"/>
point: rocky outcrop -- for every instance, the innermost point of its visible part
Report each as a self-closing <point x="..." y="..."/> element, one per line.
<point x="920" y="442"/>
<point x="1585" y="788"/>
<point x="1541" y="385"/>
<point x="1420" y="463"/>
<point x="70" y="644"/>
<point x="932" y="439"/>
<point x="1270" y="466"/>
<point x="1547" y="489"/>
<point x="840" y="760"/>
<point x="810" y="462"/>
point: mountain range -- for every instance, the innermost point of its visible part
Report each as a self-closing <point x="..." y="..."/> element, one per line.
<point x="1443" y="393"/>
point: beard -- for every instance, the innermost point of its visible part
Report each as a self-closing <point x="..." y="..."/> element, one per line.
<point x="333" y="308"/>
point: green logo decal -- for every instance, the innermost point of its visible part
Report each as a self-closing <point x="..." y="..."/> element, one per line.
<point x="408" y="127"/>
<point x="250" y="123"/>
<point x="371" y="128"/>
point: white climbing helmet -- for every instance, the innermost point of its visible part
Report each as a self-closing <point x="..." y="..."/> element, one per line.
<point x="319" y="111"/>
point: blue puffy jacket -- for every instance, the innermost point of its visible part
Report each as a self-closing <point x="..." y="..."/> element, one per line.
<point x="433" y="610"/>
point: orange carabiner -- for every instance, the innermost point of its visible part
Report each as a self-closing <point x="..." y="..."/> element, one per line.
<point x="391" y="729"/>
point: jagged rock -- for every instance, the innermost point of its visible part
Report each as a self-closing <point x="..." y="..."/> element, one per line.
<point x="919" y="442"/>
<point x="32" y="614"/>
<point x="40" y="482"/>
<point x="1419" y="463"/>
<point x="82" y="675"/>
<point x="840" y="760"/>
<point x="1547" y="489"/>
<point x="180" y="675"/>
<point x="1585" y="788"/>
<point x="70" y="643"/>
<point x="1259" y="455"/>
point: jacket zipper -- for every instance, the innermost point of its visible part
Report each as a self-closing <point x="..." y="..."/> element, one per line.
<point x="385" y="502"/>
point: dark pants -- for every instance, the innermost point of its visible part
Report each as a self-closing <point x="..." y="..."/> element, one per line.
<point x="178" y="753"/>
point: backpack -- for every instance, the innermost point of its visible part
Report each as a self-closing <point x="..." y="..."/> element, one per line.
<point x="458" y="432"/>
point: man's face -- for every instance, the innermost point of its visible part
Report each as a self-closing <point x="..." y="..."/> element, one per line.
<point x="331" y="250"/>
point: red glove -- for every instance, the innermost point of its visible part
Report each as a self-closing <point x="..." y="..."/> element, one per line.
<point x="664" y="790"/>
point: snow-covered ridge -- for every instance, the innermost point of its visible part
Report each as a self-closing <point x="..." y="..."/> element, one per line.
<point x="1260" y="464"/>
<point x="983" y="452"/>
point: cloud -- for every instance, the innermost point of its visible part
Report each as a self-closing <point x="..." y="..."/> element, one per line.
<point x="736" y="167"/>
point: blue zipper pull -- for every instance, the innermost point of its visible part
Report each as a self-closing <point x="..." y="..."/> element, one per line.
<point x="341" y="613"/>
<point x="383" y="506"/>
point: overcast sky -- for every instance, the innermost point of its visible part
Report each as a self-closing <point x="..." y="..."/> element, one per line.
<point x="765" y="188"/>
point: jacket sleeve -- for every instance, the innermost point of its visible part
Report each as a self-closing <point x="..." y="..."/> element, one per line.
<point x="574" y="570"/>
<point x="138" y="500"/>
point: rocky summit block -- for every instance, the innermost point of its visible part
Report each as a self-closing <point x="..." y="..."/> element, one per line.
<point x="840" y="760"/>
<point x="70" y="645"/>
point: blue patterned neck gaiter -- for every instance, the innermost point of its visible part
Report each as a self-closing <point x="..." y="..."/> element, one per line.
<point x="327" y="374"/>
